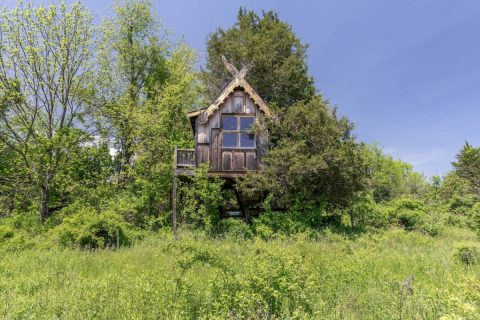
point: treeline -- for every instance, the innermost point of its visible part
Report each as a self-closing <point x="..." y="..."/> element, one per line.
<point x="90" y="115"/>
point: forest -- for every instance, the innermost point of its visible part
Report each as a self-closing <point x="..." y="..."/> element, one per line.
<point x="91" y="111"/>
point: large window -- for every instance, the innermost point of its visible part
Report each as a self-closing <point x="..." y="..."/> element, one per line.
<point x="237" y="132"/>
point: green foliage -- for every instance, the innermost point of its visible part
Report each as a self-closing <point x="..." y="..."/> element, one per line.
<point x="279" y="73"/>
<point x="131" y="61"/>
<point x="315" y="160"/>
<point x="273" y="283"/>
<point x="366" y="213"/>
<point x="468" y="254"/>
<point x="461" y="204"/>
<point x="390" y="178"/>
<point x="467" y="166"/>
<point x="46" y="60"/>
<point x="91" y="230"/>
<point x="201" y="200"/>
<point x="475" y="213"/>
<point x="412" y="215"/>
<point x="160" y="126"/>
<point x="453" y="185"/>
<point x="234" y="228"/>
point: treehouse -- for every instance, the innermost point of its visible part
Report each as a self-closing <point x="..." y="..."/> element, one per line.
<point x="225" y="137"/>
<point x="224" y="132"/>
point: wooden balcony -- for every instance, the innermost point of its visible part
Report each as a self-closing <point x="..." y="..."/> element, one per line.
<point x="185" y="158"/>
<point x="185" y="163"/>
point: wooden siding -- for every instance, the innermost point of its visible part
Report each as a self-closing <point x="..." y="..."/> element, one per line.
<point x="202" y="154"/>
<point x="209" y="137"/>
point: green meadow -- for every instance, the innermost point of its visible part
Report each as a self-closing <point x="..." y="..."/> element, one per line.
<point x="386" y="275"/>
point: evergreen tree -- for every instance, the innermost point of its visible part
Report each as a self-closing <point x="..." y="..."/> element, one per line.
<point x="467" y="166"/>
<point x="279" y="68"/>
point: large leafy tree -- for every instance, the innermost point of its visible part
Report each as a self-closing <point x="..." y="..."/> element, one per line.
<point x="278" y="57"/>
<point x="132" y="58"/>
<point x="45" y="75"/>
<point x="146" y="86"/>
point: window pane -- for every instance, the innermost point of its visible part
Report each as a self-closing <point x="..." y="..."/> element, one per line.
<point x="246" y="123"/>
<point x="229" y="123"/>
<point x="229" y="140"/>
<point x="247" y="140"/>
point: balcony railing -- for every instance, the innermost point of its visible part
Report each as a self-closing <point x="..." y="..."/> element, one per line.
<point x="184" y="158"/>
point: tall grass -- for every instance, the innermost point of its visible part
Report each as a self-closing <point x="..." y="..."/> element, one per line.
<point x="390" y="275"/>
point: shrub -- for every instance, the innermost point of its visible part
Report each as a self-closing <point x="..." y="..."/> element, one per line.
<point x="201" y="200"/>
<point x="431" y="225"/>
<point x="284" y="223"/>
<point x="366" y="213"/>
<point x="234" y="228"/>
<point x="468" y="254"/>
<point x="461" y="204"/>
<point x="28" y="222"/>
<point x="412" y="215"/>
<point x="90" y="230"/>
<point x="409" y="204"/>
<point x="409" y="219"/>
<point x="6" y="232"/>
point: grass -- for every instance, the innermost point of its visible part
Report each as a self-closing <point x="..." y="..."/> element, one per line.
<point x="389" y="275"/>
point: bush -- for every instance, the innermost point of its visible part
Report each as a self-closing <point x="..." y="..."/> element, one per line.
<point x="409" y="219"/>
<point x="282" y="223"/>
<point x="28" y="222"/>
<point x="468" y="254"/>
<point x="6" y="232"/>
<point x="90" y="230"/>
<point x="234" y="228"/>
<point x="409" y="204"/>
<point x="461" y="204"/>
<point x="366" y="213"/>
<point x="412" y="215"/>
<point x="201" y="200"/>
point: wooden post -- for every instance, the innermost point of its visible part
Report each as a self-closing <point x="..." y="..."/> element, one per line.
<point x="174" y="195"/>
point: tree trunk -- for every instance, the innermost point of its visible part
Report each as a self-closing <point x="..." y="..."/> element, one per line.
<point x="44" y="209"/>
<point x="352" y="219"/>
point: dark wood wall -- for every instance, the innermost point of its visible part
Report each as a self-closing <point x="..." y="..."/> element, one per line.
<point x="208" y="139"/>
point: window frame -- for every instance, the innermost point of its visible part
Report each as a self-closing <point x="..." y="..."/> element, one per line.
<point x="238" y="131"/>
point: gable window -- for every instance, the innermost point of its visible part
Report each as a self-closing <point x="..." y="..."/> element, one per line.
<point x="237" y="131"/>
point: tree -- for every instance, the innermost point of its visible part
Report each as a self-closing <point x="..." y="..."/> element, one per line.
<point x="467" y="166"/>
<point x="163" y="124"/>
<point x="315" y="160"/>
<point x="279" y="73"/>
<point x="132" y="58"/>
<point x="390" y="178"/>
<point x="45" y="79"/>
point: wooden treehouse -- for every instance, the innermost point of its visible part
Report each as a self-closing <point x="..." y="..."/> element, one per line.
<point x="224" y="136"/>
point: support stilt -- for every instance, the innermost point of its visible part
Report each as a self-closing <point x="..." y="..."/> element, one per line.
<point x="174" y="196"/>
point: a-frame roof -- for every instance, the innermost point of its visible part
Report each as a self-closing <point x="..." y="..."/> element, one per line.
<point x="237" y="82"/>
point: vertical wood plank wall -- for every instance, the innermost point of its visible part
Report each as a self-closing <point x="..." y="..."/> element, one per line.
<point x="209" y="138"/>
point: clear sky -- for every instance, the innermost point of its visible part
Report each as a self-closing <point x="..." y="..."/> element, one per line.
<point x="406" y="72"/>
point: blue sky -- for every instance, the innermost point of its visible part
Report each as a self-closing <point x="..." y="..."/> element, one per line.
<point x="407" y="73"/>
